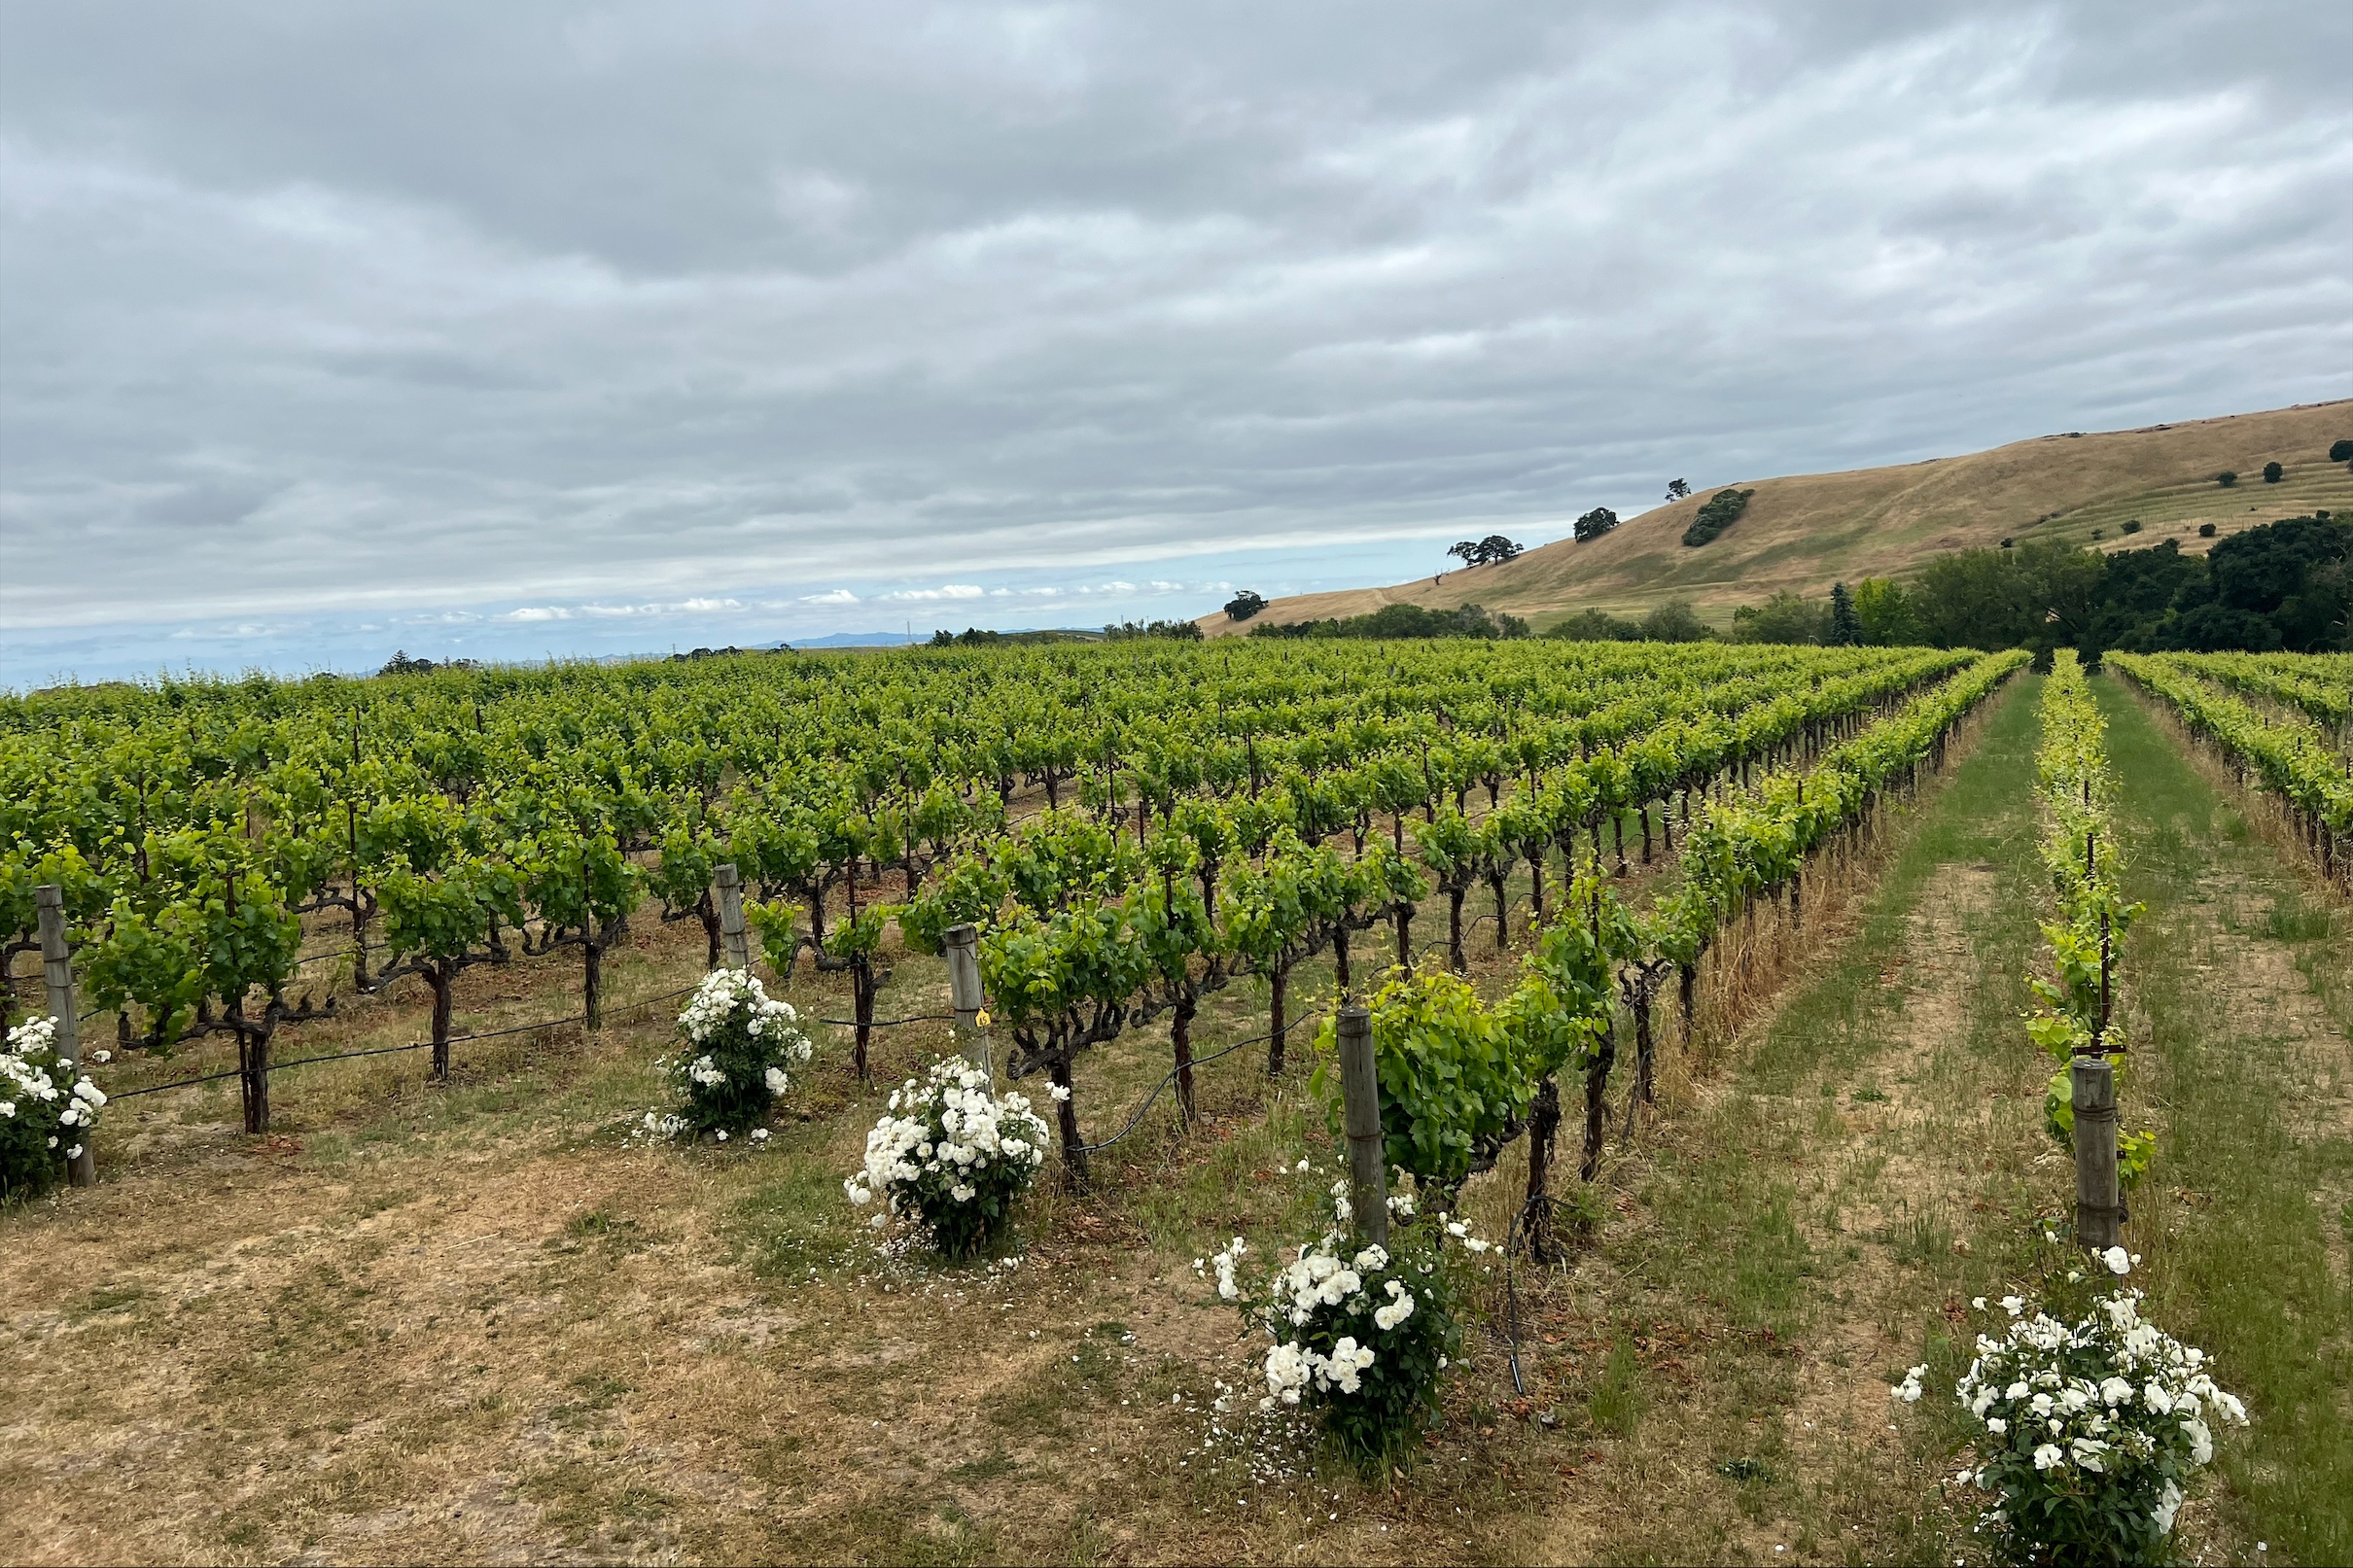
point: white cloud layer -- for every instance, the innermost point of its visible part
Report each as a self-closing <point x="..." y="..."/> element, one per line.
<point x="922" y="596"/>
<point x="638" y="316"/>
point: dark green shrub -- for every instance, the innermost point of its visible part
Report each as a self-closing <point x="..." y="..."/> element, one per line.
<point x="1595" y="523"/>
<point x="1674" y="621"/>
<point x="1596" y="626"/>
<point x="1717" y="514"/>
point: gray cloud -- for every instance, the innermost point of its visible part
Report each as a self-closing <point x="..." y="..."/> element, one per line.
<point x="319" y="316"/>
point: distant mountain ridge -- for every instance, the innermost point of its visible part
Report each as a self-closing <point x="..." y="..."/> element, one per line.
<point x="1804" y="531"/>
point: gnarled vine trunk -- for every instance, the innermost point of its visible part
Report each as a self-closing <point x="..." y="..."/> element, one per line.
<point x="443" y="978"/>
<point x="1536" y="1213"/>
<point x="1279" y="984"/>
<point x="593" y="967"/>
<point x="1066" y="1117"/>
<point x="1596" y="1088"/>
<point x="1180" y="1042"/>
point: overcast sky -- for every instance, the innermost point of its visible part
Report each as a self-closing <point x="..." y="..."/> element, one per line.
<point x="507" y="329"/>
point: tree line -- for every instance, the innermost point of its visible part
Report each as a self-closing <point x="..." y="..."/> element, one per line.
<point x="2283" y="586"/>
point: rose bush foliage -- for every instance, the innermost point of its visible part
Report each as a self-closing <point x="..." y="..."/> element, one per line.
<point x="951" y="1158"/>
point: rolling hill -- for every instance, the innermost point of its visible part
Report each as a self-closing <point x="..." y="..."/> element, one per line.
<point x="1809" y="531"/>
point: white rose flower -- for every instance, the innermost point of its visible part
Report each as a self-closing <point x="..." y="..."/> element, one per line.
<point x="2168" y="1504"/>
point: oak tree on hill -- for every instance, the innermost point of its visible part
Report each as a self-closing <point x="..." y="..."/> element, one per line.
<point x="1479" y="552"/>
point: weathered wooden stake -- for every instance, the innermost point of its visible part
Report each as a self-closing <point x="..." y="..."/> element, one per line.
<point x="731" y="936"/>
<point x="1360" y="1096"/>
<point x="57" y="969"/>
<point x="963" y="945"/>
<point x="2098" y="1219"/>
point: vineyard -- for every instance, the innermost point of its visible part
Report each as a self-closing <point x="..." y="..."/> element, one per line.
<point x="1592" y="907"/>
<point x="2292" y="736"/>
<point x="217" y="847"/>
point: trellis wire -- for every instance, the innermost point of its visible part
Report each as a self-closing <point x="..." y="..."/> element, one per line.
<point x="394" y="1049"/>
<point x="1171" y="1077"/>
<point x="491" y="1034"/>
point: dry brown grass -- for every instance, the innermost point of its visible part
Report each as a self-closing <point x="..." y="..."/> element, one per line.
<point x="1804" y="531"/>
<point x="467" y="1322"/>
<point x="470" y="1324"/>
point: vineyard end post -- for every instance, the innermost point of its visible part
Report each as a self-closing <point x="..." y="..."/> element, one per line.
<point x="2096" y="1212"/>
<point x="1360" y="1098"/>
<point x="57" y="970"/>
<point x="961" y="943"/>
<point x="730" y="887"/>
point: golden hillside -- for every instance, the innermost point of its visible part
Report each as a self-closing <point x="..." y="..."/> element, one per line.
<point x="1809" y="531"/>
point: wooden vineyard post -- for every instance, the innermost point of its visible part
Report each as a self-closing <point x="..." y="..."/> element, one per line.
<point x="57" y="969"/>
<point x="730" y="887"/>
<point x="962" y="944"/>
<point x="1361" y="1094"/>
<point x="2096" y="1217"/>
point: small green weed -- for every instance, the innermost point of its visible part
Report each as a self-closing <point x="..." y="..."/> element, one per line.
<point x="1616" y="1405"/>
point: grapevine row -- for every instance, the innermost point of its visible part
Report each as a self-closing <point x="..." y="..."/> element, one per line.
<point x="2320" y="686"/>
<point x="112" y="805"/>
<point x="2076" y="1011"/>
<point x="1460" y="1080"/>
<point x="2290" y="757"/>
<point x="192" y="827"/>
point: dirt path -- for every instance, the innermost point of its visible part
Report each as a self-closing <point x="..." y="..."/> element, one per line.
<point x="2242" y="1005"/>
<point x="1874" y="1159"/>
<point x="1799" y="1215"/>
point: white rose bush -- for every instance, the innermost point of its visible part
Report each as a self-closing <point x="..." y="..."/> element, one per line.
<point x="2089" y="1432"/>
<point x="1361" y="1335"/>
<point x="740" y="1047"/>
<point x="43" y="1121"/>
<point x="951" y="1158"/>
